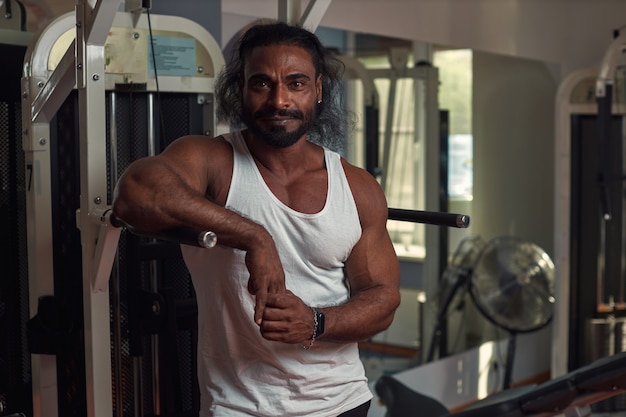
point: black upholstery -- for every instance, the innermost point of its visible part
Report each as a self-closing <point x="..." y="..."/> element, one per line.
<point x="597" y="381"/>
<point x="400" y="400"/>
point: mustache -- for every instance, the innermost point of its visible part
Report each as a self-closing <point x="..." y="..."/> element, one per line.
<point x="296" y="114"/>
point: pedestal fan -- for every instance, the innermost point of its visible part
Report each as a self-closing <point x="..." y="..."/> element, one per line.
<point x="511" y="282"/>
<point x="512" y="285"/>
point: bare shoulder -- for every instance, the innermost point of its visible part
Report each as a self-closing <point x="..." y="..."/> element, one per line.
<point x="197" y="146"/>
<point x="368" y="194"/>
<point x="202" y="162"/>
<point x="196" y="152"/>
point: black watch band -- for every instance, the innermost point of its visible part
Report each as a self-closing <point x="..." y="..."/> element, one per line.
<point x="320" y="322"/>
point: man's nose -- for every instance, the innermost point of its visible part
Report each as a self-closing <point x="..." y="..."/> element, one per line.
<point x="280" y="96"/>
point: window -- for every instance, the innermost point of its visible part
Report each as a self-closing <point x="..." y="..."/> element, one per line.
<point x="455" y="95"/>
<point x="402" y="133"/>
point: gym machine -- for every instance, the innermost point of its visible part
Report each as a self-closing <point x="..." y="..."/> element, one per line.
<point x="590" y="217"/>
<point x="101" y="88"/>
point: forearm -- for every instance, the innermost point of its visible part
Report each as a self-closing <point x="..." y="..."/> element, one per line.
<point x="152" y="199"/>
<point x="366" y="314"/>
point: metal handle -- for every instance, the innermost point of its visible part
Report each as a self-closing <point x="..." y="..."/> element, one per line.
<point x="183" y="235"/>
<point x="461" y="221"/>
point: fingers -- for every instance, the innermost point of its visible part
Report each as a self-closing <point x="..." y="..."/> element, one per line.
<point x="279" y="303"/>
<point x="264" y="300"/>
<point x="259" y="307"/>
<point x="286" y="319"/>
<point x="262" y="292"/>
<point x="266" y="277"/>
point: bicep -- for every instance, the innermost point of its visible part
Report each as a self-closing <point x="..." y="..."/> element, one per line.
<point x="190" y="162"/>
<point x="178" y="175"/>
<point x="187" y="160"/>
<point x="373" y="261"/>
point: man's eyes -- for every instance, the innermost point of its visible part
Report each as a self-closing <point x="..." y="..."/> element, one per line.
<point x="296" y="85"/>
<point x="260" y="84"/>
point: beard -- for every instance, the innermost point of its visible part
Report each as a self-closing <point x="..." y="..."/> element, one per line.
<point x="279" y="136"/>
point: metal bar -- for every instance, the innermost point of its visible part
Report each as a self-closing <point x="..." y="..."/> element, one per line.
<point x="154" y="277"/>
<point x="113" y="165"/>
<point x="604" y="85"/>
<point x="355" y="69"/>
<point x="621" y="285"/>
<point x="398" y="58"/>
<point x="431" y="160"/>
<point x="98" y="21"/>
<point x="430" y="217"/>
<point x="371" y="141"/>
<point x="393" y="82"/>
<point x="152" y="142"/>
<point x="92" y="27"/>
<point x="604" y="139"/>
<point x="604" y="173"/>
<point x="289" y="11"/>
<point x="104" y="249"/>
<point x="56" y="89"/>
<point x="313" y="14"/>
<point x="116" y="316"/>
<point x="186" y="236"/>
<point x="606" y="74"/>
<point x="36" y="144"/>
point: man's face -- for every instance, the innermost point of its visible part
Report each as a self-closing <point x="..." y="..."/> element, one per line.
<point x="279" y="93"/>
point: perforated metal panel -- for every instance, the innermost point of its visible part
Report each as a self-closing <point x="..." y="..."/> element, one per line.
<point x="147" y="271"/>
<point x="15" y="379"/>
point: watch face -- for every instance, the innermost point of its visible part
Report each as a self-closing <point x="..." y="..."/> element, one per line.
<point x="320" y="322"/>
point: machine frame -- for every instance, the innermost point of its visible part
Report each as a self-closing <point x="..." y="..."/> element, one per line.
<point x="44" y="89"/>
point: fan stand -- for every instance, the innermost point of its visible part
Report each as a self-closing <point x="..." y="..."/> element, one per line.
<point x="511" y="344"/>
<point x="510" y="359"/>
<point x="461" y="280"/>
<point x="460" y="267"/>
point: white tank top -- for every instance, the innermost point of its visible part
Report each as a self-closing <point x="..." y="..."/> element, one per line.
<point x="242" y="374"/>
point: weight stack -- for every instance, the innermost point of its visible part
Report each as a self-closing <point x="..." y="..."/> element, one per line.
<point x="153" y="306"/>
<point x="605" y="337"/>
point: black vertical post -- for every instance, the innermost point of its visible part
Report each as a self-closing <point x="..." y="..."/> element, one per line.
<point x="372" y="141"/>
<point x="444" y="131"/>
<point x="604" y="137"/>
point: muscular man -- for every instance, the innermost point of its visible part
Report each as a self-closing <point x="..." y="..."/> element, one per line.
<point x="304" y="267"/>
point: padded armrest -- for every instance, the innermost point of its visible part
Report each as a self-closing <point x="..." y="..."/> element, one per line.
<point x="503" y="404"/>
<point x="599" y="380"/>
<point x="401" y="401"/>
<point x="605" y="374"/>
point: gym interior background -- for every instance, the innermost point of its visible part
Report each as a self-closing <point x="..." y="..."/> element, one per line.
<point x="481" y="107"/>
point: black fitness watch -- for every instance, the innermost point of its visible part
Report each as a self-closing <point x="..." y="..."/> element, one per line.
<point x="319" y="320"/>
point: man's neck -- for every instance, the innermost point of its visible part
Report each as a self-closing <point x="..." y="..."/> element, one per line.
<point x="283" y="161"/>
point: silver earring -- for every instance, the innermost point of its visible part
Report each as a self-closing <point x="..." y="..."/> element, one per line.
<point x="319" y="101"/>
